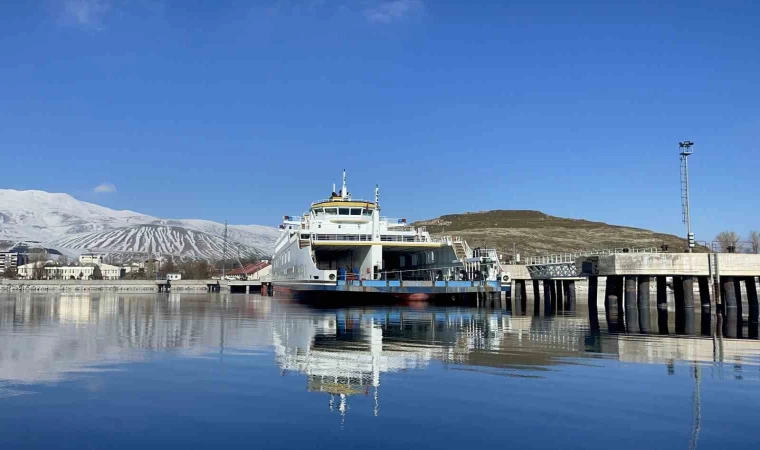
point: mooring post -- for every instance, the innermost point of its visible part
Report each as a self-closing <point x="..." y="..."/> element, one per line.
<point x="593" y="293"/>
<point x="643" y="304"/>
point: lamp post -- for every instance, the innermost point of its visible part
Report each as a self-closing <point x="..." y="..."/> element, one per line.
<point x="686" y="151"/>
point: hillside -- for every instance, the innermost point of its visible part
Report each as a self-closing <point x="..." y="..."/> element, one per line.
<point x="536" y="233"/>
<point x="61" y="222"/>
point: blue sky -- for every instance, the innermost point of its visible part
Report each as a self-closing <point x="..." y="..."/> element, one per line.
<point x="248" y="110"/>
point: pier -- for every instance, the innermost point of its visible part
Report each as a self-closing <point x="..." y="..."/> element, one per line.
<point x="135" y="286"/>
<point x="631" y="284"/>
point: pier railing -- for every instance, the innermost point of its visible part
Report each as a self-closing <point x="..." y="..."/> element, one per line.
<point x="569" y="258"/>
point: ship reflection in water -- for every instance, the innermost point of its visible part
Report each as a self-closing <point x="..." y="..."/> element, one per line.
<point x="123" y="370"/>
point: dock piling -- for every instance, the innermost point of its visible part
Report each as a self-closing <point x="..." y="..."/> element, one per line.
<point x="570" y="296"/>
<point x="593" y="293"/>
<point x="643" y="304"/>
<point x="752" y="299"/>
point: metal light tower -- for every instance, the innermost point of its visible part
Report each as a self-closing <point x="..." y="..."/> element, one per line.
<point x="686" y="151"/>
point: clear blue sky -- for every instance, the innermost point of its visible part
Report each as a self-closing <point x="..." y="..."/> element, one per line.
<point x="248" y="110"/>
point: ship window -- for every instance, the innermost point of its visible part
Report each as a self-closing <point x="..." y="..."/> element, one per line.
<point x="356" y="211"/>
<point x="331" y="211"/>
<point x="343" y="211"/>
<point x="367" y="212"/>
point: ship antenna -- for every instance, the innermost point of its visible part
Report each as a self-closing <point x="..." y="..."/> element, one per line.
<point x="344" y="193"/>
<point x="377" y="196"/>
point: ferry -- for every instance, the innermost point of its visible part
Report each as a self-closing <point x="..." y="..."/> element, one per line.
<point x="343" y="245"/>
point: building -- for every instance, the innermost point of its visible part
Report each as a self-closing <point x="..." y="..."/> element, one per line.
<point x="90" y="258"/>
<point x="10" y="260"/>
<point x="174" y="276"/>
<point x="27" y="272"/>
<point x="256" y="271"/>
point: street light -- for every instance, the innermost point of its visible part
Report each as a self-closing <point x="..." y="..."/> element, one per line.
<point x="686" y="151"/>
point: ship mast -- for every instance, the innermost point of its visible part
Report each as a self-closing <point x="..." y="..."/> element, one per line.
<point x="344" y="191"/>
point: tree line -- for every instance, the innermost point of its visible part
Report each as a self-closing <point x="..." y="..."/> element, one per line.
<point x="732" y="242"/>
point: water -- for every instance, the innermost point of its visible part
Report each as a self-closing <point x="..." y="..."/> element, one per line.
<point x="238" y="371"/>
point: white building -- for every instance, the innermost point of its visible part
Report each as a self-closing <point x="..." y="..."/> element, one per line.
<point x="108" y="271"/>
<point x="10" y="260"/>
<point x="90" y="258"/>
<point x="173" y="276"/>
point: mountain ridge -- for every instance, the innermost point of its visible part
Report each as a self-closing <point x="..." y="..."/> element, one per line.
<point x="64" y="223"/>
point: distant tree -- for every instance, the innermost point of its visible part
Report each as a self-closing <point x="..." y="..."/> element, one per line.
<point x="168" y="266"/>
<point x="754" y="241"/>
<point x="11" y="272"/>
<point x="81" y="275"/>
<point x="96" y="273"/>
<point x="728" y="241"/>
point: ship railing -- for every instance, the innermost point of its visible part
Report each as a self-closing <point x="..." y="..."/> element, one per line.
<point x="342" y="237"/>
<point x="402" y="238"/>
<point x="442" y="273"/>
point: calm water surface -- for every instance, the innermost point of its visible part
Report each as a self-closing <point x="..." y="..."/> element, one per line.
<point x="238" y="371"/>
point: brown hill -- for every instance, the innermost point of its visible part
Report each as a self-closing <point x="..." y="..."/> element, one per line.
<point x="536" y="233"/>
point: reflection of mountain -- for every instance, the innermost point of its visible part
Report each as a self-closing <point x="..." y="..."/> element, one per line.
<point x="44" y="338"/>
<point x="341" y="353"/>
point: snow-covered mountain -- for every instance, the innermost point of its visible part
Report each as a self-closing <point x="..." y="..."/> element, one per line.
<point x="64" y="223"/>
